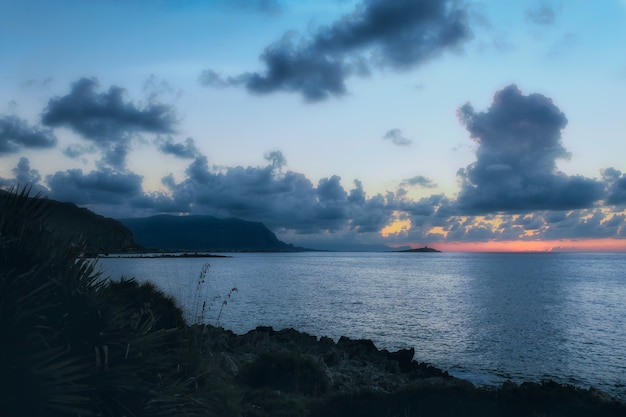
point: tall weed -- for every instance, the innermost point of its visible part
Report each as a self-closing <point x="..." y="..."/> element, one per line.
<point x="203" y="303"/>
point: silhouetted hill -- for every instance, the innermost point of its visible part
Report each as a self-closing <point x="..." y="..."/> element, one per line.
<point x="203" y="233"/>
<point x="79" y="225"/>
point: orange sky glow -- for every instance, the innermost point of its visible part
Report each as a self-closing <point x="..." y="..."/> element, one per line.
<point x="402" y="226"/>
<point x="583" y="245"/>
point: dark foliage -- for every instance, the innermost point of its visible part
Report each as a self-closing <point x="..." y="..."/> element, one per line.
<point x="130" y="293"/>
<point x="286" y="371"/>
<point x="74" y="344"/>
<point x="548" y="399"/>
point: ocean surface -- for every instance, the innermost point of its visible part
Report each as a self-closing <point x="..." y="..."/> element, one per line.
<point x="486" y="317"/>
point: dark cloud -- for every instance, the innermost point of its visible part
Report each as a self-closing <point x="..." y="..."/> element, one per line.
<point x="286" y="201"/>
<point x="180" y="150"/>
<point x="542" y="14"/>
<point x="583" y="224"/>
<point x="418" y="181"/>
<point x="107" y="119"/>
<point x="397" y="138"/>
<point x="357" y="194"/>
<point x="314" y="216"/>
<point x="426" y="209"/>
<point x="105" y="116"/>
<point x="330" y="189"/>
<point x="397" y="34"/>
<point x="277" y="159"/>
<point x="616" y="186"/>
<point x="16" y="135"/>
<point x="75" y="150"/>
<point x="292" y="69"/>
<point x="519" y="141"/>
<point x="104" y="186"/>
<point x="24" y="174"/>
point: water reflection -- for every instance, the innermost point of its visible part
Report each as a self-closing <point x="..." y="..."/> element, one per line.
<point x="488" y="317"/>
<point x="516" y="315"/>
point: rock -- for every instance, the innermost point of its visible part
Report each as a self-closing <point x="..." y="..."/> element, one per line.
<point x="357" y="346"/>
<point x="287" y="372"/>
<point x="404" y="357"/>
<point x="348" y="365"/>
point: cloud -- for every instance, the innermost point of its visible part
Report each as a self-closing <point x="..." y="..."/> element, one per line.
<point x="179" y="150"/>
<point x="107" y="119"/>
<point x="330" y="189"/>
<point x="396" y="34"/>
<point x="277" y="159"/>
<point x="419" y="181"/>
<point x="156" y="88"/>
<point x="292" y="68"/>
<point x="542" y="15"/>
<point x="104" y="186"/>
<point x="315" y="216"/>
<point x="285" y="201"/>
<point x="519" y="141"/>
<point x="616" y="186"/>
<point x="75" y="150"/>
<point x="16" y="135"/>
<point x="584" y="223"/>
<point x="24" y="174"/>
<point x="396" y="137"/>
<point x="210" y="78"/>
<point x="513" y="190"/>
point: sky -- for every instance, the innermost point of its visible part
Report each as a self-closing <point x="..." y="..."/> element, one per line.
<point x="339" y="124"/>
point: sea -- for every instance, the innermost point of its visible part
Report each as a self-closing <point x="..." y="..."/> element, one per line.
<point x="485" y="317"/>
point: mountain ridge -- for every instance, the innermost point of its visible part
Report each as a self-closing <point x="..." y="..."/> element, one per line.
<point x="102" y="235"/>
<point x="204" y="233"/>
<point x="82" y="227"/>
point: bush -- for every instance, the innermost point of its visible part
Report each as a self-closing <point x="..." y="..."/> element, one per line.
<point x="74" y="344"/>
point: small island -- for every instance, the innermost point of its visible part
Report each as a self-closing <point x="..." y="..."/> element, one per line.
<point x="424" y="249"/>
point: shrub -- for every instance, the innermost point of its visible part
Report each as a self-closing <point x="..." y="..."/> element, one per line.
<point x="74" y="344"/>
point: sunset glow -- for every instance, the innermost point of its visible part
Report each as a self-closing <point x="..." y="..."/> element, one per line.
<point x="398" y="226"/>
<point x="590" y="245"/>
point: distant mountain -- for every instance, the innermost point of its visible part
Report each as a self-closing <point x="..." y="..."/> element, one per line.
<point x="204" y="233"/>
<point x="80" y="226"/>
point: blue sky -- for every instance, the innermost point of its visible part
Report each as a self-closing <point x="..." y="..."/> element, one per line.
<point x="336" y="123"/>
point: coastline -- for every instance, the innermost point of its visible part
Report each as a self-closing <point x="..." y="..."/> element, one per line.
<point x="155" y="255"/>
<point x="287" y="372"/>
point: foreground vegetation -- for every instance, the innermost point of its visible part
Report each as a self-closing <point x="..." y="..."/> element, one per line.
<point x="75" y="344"/>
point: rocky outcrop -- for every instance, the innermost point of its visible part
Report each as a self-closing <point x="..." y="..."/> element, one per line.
<point x="290" y="373"/>
<point x="347" y="365"/>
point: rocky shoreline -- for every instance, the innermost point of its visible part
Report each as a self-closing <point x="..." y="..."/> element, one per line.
<point x="291" y="373"/>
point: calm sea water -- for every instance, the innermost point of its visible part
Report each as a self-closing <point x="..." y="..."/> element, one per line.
<point x="487" y="317"/>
